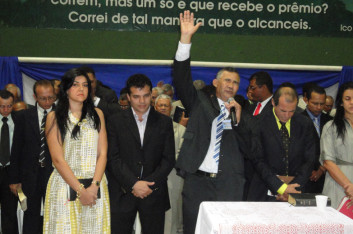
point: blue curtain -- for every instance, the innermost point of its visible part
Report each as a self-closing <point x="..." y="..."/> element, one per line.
<point x="115" y="76"/>
<point x="346" y="74"/>
<point x="10" y="72"/>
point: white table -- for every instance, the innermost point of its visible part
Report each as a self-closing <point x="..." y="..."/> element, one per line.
<point x="269" y="217"/>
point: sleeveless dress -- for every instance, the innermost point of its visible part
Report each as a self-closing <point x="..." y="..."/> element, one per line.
<point x="62" y="215"/>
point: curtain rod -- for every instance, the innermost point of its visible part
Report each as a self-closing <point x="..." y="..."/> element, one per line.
<point x="169" y="62"/>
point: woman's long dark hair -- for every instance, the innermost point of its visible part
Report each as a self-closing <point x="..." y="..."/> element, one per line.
<point x="339" y="119"/>
<point x="62" y="109"/>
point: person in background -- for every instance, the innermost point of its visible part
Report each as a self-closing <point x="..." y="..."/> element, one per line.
<point x="19" y="106"/>
<point x="124" y="102"/>
<point x="16" y="92"/>
<point x="77" y="141"/>
<point x="8" y="200"/>
<point x="156" y="91"/>
<point x="337" y="147"/>
<point x="260" y="89"/>
<point x="328" y="107"/>
<point x="315" y="101"/>
<point x="173" y="217"/>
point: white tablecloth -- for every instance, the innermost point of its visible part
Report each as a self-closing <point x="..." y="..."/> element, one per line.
<point x="269" y="217"/>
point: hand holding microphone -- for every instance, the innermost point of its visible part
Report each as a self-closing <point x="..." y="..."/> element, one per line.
<point x="233" y="107"/>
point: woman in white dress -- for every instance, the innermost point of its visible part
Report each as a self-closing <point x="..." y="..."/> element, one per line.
<point x="337" y="148"/>
<point x="77" y="199"/>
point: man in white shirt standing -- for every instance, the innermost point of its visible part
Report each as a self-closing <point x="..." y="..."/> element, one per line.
<point x="211" y="159"/>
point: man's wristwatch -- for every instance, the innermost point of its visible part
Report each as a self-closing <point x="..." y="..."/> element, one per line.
<point x="97" y="183"/>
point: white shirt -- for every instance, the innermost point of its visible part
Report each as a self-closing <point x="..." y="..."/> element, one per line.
<point x="96" y="101"/>
<point x="40" y="112"/>
<point x="263" y="104"/>
<point x="183" y="52"/>
<point x="141" y="125"/>
<point x="209" y="164"/>
<point x="11" y="125"/>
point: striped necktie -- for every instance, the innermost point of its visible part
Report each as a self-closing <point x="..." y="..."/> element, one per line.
<point x="42" y="140"/>
<point x="219" y="131"/>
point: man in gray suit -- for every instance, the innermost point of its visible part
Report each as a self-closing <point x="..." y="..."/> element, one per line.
<point x="211" y="159"/>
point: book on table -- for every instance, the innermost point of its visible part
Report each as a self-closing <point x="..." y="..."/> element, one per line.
<point x="304" y="199"/>
<point x="348" y="211"/>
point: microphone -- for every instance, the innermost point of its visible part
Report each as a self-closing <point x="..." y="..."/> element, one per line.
<point x="233" y="116"/>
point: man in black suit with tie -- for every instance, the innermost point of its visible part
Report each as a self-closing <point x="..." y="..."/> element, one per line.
<point x="315" y="101"/>
<point x="261" y="90"/>
<point x="31" y="163"/>
<point x="211" y="159"/>
<point x="140" y="157"/>
<point x="283" y="145"/>
<point x="8" y="200"/>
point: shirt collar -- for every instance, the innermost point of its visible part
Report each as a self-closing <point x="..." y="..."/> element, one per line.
<point x="41" y="110"/>
<point x="9" y="118"/>
<point x="144" y="116"/>
<point x="313" y="116"/>
<point x="263" y="103"/>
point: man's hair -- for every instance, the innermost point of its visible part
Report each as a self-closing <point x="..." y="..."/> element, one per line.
<point x="44" y="83"/>
<point x="167" y="87"/>
<point x="163" y="96"/>
<point x="87" y="70"/>
<point x="228" y="69"/>
<point x="159" y="90"/>
<point x="123" y="97"/>
<point x="4" y="94"/>
<point x="199" y="84"/>
<point x="263" y="78"/>
<point x="289" y="93"/>
<point x="329" y="97"/>
<point x="17" y="89"/>
<point x="138" y="81"/>
<point x="316" y="89"/>
<point x="306" y="88"/>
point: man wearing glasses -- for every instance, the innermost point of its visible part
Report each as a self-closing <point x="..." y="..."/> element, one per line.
<point x="31" y="163"/>
<point x="260" y="89"/>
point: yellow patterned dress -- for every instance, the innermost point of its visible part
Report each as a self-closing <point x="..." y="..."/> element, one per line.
<point x="63" y="216"/>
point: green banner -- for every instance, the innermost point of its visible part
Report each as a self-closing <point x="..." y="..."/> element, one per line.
<point x="243" y="17"/>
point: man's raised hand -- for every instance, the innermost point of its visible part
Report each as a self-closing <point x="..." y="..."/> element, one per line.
<point x="187" y="27"/>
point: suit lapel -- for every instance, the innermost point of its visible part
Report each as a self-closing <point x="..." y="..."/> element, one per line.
<point x="294" y="132"/>
<point x="132" y="125"/>
<point x="273" y="127"/>
<point x="34" y="121"/>
<point x="150" y="126"/>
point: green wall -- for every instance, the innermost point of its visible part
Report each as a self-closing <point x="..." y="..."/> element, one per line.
<point x="206" y="47"/>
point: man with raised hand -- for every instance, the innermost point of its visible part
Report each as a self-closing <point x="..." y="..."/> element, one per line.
<point x="211" y="159"/>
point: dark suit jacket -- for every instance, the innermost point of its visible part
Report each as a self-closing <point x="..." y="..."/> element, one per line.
<point x="107" y="94"/>
<point x="24" y="165"/>
<point x="203" y="108"/>
<point x="268" y="108"/>
<point x="126" y="158"/>
<point x="108" y="108"/>
<point x="268" y="155"/>
<point x="311" y="186"/>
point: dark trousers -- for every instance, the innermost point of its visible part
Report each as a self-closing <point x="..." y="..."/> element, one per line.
<point x="199" y="188"/>
<point x="8" y="204"/>
<point x="32" y="220"/>
<point x="151" y="223"/>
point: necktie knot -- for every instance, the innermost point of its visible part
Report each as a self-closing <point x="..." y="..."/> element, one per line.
<point x="4" y="119"/>
<point x="45" y="112"/>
